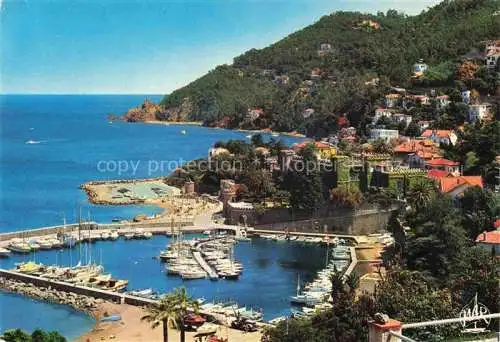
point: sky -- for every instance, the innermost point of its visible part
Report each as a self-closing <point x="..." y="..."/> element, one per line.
<point x="145" y="47"/>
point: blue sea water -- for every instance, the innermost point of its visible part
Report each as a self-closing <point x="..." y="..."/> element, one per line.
<point x="271" y="269"/>
<point x="29" y="314"/>
<point x="39" y="185"/>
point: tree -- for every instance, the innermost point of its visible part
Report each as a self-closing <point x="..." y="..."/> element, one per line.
<point x="171" y="309"/>
<point x="37" y="335"/>
<point x="408" y="297"/>
<point x="413" y="130"/>
<point x="421" y="193"/>
<point x="479" y="209"/>
<point x="471" y="161"/>
<point x="349" y="197"/>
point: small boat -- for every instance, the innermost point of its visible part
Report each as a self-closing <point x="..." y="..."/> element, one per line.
<point x="183" y="132"/>
<point x="274" y="134"/>
<point x="4" y="252"/>
<point x="112" y="318"/>
<point x="105" y="236"/>
<point x="45" y="244"/>
<point x="277" y="320"/>
<point x="249" y="136"/>
<point x="192" y="274"/>
<point x="31" y="142"/>
<point x="19" y="247"/>
<point x="114" y="235"/>
<point x="148" y="235"/>
<point x="129" y="236"/>
<point x="146" y="293"/>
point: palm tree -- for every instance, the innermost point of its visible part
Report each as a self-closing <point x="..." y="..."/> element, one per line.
<point x="352" y="281"/>
<point x="171" y="309"/>
<point x="421" y="193"/>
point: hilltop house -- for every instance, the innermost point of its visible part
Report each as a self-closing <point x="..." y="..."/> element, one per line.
<point x="454" y="185"/>
<point x="392" y="100"/>
<point x="399" y="117"/>
<point x="492" y="55"/>
<point x="419" y="68"/>
<point x="443" y="164"/>
<point x="413" y="99"/>
<point x="324" y="48"/>
<point x="215" y="151"/>
<point x="440" y="136"/>
<point x="415" y="152"/>
<point x="465" y="96"/>
<point x="479" y="111"/>
<point x="324" y="150"/>
<point x="385" y="134"/>
<point x="381" y="112"/>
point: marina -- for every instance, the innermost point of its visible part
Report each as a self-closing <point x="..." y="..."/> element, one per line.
<point x="272" y="267"/>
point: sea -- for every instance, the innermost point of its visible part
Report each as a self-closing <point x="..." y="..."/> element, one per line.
<point x="51" y="144"/>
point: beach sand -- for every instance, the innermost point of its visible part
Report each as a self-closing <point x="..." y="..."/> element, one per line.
<point x="130" y="328"/>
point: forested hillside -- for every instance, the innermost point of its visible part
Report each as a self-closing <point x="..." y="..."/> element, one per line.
<point x="309" y="79"/>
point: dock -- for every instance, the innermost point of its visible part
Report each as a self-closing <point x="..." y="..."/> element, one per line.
<point x="206" y="267"/>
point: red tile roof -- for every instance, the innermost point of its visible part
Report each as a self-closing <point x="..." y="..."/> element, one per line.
<point x="447" y="184"/>
<point x="441" y="162"/>
<point x="492" y="237"/>
<point x="436" y="174"/>
<point x="427" y="133"/>
<point x="318" y="144"/>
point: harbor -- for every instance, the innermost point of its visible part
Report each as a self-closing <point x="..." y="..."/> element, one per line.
<point x="268" y="265"/>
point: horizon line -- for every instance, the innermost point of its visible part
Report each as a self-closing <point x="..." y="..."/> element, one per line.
<point x="66" y="94"/>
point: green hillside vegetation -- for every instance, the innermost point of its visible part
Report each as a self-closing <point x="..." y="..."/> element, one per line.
<point x="278" y="78"/>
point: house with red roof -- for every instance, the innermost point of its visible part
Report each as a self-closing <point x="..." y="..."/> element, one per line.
<point x="440" y="136"/>
<point x="490" y="241"/>
<point x="324" y="150"/>
<point x="455" y="186"/>
<point x="443" y="164"/>
<point x="415" y="152"/>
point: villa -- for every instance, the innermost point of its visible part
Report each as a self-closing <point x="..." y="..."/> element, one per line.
<point x="479" y="111"/>
<point x="440" y="136"/>
<point x="443" y="164"/>
<point x="385" y="134"/>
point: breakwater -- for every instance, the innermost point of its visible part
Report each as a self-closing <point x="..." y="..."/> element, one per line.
<point x="79" y="302"/>
<point x="155" y="228"/>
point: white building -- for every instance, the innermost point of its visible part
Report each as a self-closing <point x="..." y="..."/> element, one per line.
<point x="479" y="111"/>
<point x="398" y="117"/>
<point x="465" y="96"/>
<point x="381" y="112"/>
<point x="385" y="134"/>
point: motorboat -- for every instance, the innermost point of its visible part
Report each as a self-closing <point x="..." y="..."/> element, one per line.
<point x="19" y="247"/>
<point x="45" y="244"/>
<point x="129" y="235"/>
<point x="114" y="235"/>
<point x="192" y="274"/>
<point x="146" y="293"/>
<point x="4" y="252"/>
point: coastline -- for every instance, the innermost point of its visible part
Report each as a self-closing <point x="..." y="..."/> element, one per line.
<point x="293" y="134"/>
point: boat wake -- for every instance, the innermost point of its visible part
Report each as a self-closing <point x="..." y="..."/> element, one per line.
<point x="35" y="142"/>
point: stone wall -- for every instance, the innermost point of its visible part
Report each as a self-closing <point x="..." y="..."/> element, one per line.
<point x="359" y="223"/>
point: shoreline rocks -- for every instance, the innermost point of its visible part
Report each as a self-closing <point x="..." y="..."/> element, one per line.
<point x="85" y="304"/>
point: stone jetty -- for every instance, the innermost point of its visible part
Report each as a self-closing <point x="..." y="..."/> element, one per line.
<point x="79" y="302"/>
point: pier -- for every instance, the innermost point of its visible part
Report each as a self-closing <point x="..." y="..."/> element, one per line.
<point x="206" y="267"/>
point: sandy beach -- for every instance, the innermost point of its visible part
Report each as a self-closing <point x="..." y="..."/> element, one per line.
<point x="131" y="328"/>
